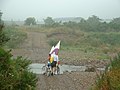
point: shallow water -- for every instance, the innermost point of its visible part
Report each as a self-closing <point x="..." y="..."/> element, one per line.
<point x="37" y="68"/>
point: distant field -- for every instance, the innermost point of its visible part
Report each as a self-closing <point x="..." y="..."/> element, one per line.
<point x="16" y="35"/>
<point x="89" y="45"/>
<point x="97" y="45"/>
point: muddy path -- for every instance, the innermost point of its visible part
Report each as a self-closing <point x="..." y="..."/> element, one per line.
<point x="67" y="81"/>
<point x="36" y="49"/>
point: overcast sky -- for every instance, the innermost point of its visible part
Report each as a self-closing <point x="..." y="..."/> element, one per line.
<point x="21" y="9"/>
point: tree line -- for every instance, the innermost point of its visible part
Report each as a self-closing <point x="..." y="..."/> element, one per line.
<point x="93" y="23"/>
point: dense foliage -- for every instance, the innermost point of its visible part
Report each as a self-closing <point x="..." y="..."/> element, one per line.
<point x="14" y="73"/>
<point x="30" y="21"/>
<point x="110" y="79"/>
<point x="16" y="37"/>
<point x="49" y="21"/>
<point x="93" y="37"/>
<point x="92" y="24"/>
<point x="3" y="37"/>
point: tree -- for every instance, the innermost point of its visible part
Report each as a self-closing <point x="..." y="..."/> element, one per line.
<point x="14" y="73"/>
<point x="93" y="23"/>
<point x="0" y="16"/>
<point x="71" y="24"/>
<point x="83" y="24"/>
<point x="3" y="38"/>
<point x="1" y="22"/>
<point x="49" y="21"/>
<point x="30" y="21"/>
<point x="93" y="20"/>
<point x="115" y="24"/>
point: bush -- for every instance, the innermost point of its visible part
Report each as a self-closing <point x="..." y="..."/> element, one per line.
<point x="110" y="79"/>
<point x="14" y="73"/>
<point x="16" y="37"/>
<point x="52" y="42"/>
<point x="3" y="38"/>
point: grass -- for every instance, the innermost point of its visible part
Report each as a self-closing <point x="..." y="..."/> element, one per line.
<point x="16" y="37"/>
<point x="80" y="45"/>
<point x="110" y="79"/>
<point x="100" y="43"/>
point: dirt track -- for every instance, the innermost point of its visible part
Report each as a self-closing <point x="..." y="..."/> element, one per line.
<point x="67" y="81"/>
<point x="37" y="49"/>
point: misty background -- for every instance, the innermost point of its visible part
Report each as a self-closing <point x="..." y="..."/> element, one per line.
<point x="89" y="31"/>
<point x="19" y="10"/>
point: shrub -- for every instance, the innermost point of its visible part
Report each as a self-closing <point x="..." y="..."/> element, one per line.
<point x="3" y="38"/>
<point x="52" y="42"/>
<point x="16" y="37"/>
<point x="110" y="79"/>
<point x="14" y="73"/>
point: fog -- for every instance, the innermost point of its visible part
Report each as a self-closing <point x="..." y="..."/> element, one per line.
<point x="21" y="9"/>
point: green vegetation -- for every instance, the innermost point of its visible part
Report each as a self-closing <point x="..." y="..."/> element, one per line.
<point x="92" y="35"/>
<point x="30" y="21"/>
<point x="110" y="79"/>
<point x="14" y="72"/>
<point x="49" y="21"/>
<point x="87" y="36"/>
<point x="91" y="39"/>
<point x="92" y="24"/>
<point x="16" y="37"/>
<point x="3" y="38"/>
<point x="99" y="43"/>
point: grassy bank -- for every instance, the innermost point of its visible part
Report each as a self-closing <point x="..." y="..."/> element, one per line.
<point x="89" y="45"/>
<point x="99" y="43"/>
<point x="16" y="35"/>
<point x="110" y="79"/>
